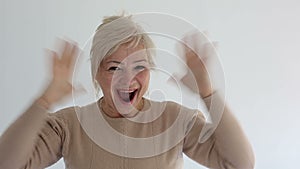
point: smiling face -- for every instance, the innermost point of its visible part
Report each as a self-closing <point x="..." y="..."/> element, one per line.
<point x="124" y="79"/>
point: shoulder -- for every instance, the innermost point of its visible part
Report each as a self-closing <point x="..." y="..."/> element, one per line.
<point x="68" y="118"/>
<point x="169" y="111"/>
<point x="65" y="115"/>
<point x="73" y="116"/>
<point x="172" y="107"/>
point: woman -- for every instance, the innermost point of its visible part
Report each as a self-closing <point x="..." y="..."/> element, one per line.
<point x="121" y="61"/>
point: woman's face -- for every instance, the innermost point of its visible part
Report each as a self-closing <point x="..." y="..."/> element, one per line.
<point x="124" y="79"/>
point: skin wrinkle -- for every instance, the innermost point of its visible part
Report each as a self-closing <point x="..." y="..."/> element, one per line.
<point x="111" y="81"/>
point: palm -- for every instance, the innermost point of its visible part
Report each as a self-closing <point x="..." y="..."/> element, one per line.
<point x="197" y="55"/>
<point x="62" y="70"/>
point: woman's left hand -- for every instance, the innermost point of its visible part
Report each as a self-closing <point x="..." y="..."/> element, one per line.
<point x="198" y="53"/>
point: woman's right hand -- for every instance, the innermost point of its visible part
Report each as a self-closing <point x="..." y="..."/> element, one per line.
<point x="60" y="84"/>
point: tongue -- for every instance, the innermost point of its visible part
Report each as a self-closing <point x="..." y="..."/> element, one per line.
<point x="125" y="96"/>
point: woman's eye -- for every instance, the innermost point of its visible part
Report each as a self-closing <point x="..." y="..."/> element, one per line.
<point x="113" y="68"/>
<point x="139" y="67"/>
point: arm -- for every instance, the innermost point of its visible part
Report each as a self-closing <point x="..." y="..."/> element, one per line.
<point x="34" y="140"/>
<point x="226" y="148"/>
<point x="225" y="145"/>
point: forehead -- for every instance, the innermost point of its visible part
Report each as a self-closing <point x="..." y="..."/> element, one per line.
<point x="125" y="53"/>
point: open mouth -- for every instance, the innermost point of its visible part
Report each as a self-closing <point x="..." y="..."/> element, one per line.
<point x="127" y="96"/>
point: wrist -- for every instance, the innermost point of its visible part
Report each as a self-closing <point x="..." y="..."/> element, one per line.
<point x="208" y="95"/>
<point x="43" y="102"/>
<point x="206" y="92"/>
<point x="208" y="98"/>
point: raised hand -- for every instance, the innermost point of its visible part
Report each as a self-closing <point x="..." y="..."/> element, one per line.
<point x="60" y="84"/>
<point x="198" y="53"/>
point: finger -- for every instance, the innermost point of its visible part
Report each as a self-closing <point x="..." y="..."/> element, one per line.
<point x="51" y="61"/>
<point x="73" y="51"/>
<point x="191" y="47"/>
<point x="210" y="50"/>
<point x="65" y="56"/>
<point x="195" y="39"/>
<point x="73" y="57"/>
<point x="187" y="44"/>
<point x="53" y="57"/>
<point x="70" y="54"/>
<point x="191" y="57"/>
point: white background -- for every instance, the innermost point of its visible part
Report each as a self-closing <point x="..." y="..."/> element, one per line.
<point x="259" y="48"/>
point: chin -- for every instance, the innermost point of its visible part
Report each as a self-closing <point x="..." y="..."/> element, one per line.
<point x="127" y="101"/>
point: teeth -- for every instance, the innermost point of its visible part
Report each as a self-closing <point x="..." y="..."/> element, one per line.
<point x="126" y="91"/>
<point x="127" y="95"/>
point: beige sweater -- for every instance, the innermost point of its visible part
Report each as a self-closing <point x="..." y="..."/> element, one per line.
<point x="38" y="139"/>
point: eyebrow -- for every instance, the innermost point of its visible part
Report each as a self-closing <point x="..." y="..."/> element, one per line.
<point x="117" y="62"/>
<point x="113" y="61"/>
<point x="142" y="60"/>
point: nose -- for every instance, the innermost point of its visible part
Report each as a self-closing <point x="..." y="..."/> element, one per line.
<point x="127" y="78"/>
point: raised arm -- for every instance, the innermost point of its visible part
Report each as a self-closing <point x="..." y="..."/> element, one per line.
<point x="225" y="147"/>
<point x="220" y="142"/>
<point x="34" y="139"/>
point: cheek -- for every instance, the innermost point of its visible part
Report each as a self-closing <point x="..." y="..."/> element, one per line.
<point x="143" y="78"/>
<point x="104" y="82"/>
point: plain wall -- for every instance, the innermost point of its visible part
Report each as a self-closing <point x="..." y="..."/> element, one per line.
<point x="259" y="48"/>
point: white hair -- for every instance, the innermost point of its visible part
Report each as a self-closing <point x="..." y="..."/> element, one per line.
<point x="113" y="32"/>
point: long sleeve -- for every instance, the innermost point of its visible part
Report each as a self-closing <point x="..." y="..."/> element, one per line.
<point x="33" y="141"/>
<point x="226" y="148"/>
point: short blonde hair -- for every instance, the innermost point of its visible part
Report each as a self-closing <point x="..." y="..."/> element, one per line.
<point x="113" y="32"/>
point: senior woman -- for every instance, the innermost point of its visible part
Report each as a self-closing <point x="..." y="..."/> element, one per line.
<point x="121" y="62"/>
